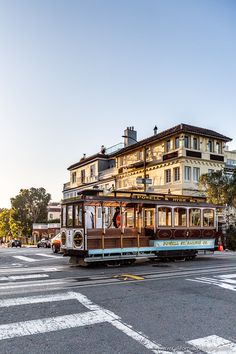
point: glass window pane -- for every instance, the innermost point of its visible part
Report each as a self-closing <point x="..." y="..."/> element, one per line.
<point x="78" y="216"/>
<point x="69" y="215"/>
<point x="196" y="174"/>
<point x="63" y="216"/>
<point x="187" y="172"/>
<point x="176" y="174"/>
<point x="186" y="141"/>
<point x="149" y="218"/>
<point x="177" y="142"/>
<point x="129" y="217"/>
<point x="164" y="217"/>
<point x="194" y="217"/>
<point x="180" y="217"/>
<point x="208" y="217"/>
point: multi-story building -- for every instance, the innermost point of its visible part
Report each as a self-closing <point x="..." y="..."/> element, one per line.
<point x="54" y="211"/>
<point x="167" y="162"/>
<point x="49" y="228"/>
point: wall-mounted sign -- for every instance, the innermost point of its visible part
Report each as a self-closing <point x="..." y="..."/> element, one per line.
<point x="142" y="180"/>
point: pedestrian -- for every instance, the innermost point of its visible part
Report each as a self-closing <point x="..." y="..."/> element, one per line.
<point x="116" y="218"/>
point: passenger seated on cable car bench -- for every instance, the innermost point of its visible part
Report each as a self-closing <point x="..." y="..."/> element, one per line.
<point x="116" y="218"/>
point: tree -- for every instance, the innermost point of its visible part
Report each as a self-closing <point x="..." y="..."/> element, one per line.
<point x="5" y="223"/>
<point x="232" y="190"/>
<point x="28" y="207"/>
<point x="217" y="187"/>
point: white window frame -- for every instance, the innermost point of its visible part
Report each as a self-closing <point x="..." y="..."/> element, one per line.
<point x="196" y="174"/>
<point x="168" y="175"/>
<point x="187" y="168"/>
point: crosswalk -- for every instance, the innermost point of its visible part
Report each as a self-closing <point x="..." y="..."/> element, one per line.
<point x="93" y="315"/>
<point x="225" y="281"/>
<point x="38" y="257"/>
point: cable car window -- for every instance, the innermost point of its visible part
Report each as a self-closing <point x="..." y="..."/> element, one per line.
<point x="63" y="216"/>
<point x="69" y="217"/>
<point x="78" y="216"/>
<point x="180" y="217"/>
<point x="208" y="217"/>
<point x="164" y="216"/>
<point x="99" y="212"/>
<point x="194" y="217"/>
<point x="149" y="218"/>
<point x="129" y="217"/>
<point x="89" y="217"/>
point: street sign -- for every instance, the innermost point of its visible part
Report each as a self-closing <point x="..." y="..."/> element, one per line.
<point x="143" y="180"/>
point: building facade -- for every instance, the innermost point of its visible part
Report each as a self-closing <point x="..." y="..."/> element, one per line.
<point x="167" y="162"/>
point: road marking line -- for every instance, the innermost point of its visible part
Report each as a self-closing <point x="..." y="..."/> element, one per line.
<point x="27" y="259"/>
<point x="214" y="345"/>
<point x="31" y="270"/>
<point x="47" y="255"/>
<point x="51" y="324"/>
<point x="27" y="276"/>
<point x="35" y="299"/>
<point x="31" y="284"/>
<point x="96" y="315"/>
<point x="227" y="276"/>
<point x="116" y="322"/>
<point x="139" y="337"/>
<point x="216" y="282"/>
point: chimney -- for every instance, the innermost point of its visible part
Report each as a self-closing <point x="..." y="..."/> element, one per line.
<point x="103" y="149"/>
<point x="155" y="130"/>
<point x="130" y="136"/>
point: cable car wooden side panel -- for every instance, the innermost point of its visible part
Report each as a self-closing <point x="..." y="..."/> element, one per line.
<point x="124" y="226"/>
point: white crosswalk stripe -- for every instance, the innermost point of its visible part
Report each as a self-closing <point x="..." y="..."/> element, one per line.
<point x="214" y="345"/>
<point x="96" y="314"/>
<point x="26" y="259"/>
<point x="225" y="281"/>
<point x="47" y="255"/>
<point x="30" y="259"/>
<point x="23" y="277"/>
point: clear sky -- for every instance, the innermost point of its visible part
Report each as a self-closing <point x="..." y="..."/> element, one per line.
<point x="75" y="73"/>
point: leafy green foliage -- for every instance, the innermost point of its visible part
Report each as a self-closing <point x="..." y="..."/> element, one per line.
<point x="4" y="222"/>
<point x="28" y="207"/>
<point x="219" y="188"/>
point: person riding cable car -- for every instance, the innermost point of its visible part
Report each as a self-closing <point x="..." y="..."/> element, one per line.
<point x="116" y="218"/>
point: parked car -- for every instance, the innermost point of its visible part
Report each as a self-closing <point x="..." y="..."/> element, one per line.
<point x="44" y="242"/>
<point x="15" y="243"/>
<point x="56" y="243"/>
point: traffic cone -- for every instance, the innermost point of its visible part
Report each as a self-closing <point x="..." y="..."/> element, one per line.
<point x="220" y="248"/>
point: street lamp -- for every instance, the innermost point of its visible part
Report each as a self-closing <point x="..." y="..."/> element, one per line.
<point x="144" y="179"/>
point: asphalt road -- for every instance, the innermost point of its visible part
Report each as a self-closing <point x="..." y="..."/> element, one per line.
<point x="178" y="307"/>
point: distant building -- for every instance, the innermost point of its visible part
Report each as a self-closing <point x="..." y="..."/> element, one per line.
<point x="52" y="227"/>
<point x="54" y="211"/>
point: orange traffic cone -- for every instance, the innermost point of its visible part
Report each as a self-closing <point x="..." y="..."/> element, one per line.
<point x="220" y="248"/>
